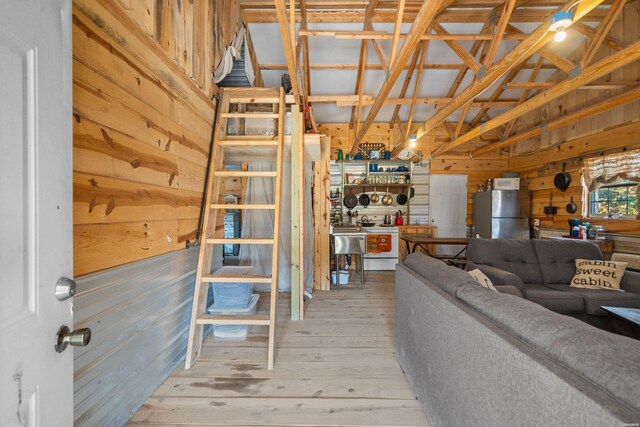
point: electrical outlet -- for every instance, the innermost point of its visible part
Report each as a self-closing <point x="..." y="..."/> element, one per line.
<point x="536" y="222"/>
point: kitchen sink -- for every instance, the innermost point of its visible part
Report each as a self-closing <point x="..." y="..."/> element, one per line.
<point x="349" y="240"/>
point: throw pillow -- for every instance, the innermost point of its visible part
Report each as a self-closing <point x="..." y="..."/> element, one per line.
<point x="482" y="279"/>
<point x="598" y="274"/>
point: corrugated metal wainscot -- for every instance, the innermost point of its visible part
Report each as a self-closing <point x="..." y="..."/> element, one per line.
<point x="139" y="317"/>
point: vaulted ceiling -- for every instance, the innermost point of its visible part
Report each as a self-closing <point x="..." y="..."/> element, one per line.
<point x="473" y="61"/>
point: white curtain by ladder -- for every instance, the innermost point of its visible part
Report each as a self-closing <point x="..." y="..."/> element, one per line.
<point x="259" y="223"/>
<point x="231" y="53"/>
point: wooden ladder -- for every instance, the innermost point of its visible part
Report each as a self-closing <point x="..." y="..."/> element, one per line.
<point x="224" y="143"/>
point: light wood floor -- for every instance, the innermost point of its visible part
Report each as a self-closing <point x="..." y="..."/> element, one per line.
<point x="336" y="368"/>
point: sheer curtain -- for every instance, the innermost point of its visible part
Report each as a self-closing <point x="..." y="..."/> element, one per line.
<point x="260" y="224"/>
<point x="231" y="53"/>
<point x="610" y="169"/>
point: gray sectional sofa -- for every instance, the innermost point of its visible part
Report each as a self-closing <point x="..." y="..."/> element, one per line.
<point x="541" y="270"/>
<point x="476" y="357"/>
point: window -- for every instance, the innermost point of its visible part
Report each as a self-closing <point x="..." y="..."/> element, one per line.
<point x="615" y="200"/>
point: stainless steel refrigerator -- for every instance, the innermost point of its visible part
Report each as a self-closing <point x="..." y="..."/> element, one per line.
<point x="501" y="214"/>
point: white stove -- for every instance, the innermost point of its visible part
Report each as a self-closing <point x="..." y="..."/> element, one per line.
<point x="383" y="260"/>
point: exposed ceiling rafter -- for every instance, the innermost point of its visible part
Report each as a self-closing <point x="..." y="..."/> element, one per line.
<point x="568" y="119"/>
<point x="589" y="74"/>
<point x="423" y="19"/>
<point x="514" y="58"/>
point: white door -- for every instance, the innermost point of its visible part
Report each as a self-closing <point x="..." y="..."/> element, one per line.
<point x="36" y="382"/>
<point x="448" y="208"/>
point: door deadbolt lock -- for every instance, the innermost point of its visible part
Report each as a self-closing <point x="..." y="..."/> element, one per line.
<point x="78" y="338"/>
<point x="65" y="288"/>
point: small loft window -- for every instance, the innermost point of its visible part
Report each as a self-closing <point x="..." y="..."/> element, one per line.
<point x="615" y="200"/>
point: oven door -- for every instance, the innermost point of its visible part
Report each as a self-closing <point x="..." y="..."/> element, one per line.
<point x="383" y="260"/>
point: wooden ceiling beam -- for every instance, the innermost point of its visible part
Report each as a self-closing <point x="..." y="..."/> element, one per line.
<point x="361" y="64"/>
<point x="405" y="86"/>
<point x="499" y="32"/>
<point x="412" y="5"/>
<point x="352" y="100"/>
<point x="568" y="119"/>
<point x="383" y="35"/>
<point x="289" y="48"/>
<point x="524" y="95"/>
<point x="353" y="124"/>
<point x="461" y="15"/>
<point x="378" y="67"/>
<point x="595" y="85"/>
<point x="614" y="11"/>
<point x="425" y="16"/>
<point x="496" y="94"/>
<point x="396" y="31"/>
<point x="589" y="74"/>
<point x="466" y="57"/>
<point x="416" y="86"/>
<point x="561" y="63"/>
<point x="591" y="33"/>
<point x="514" y="58"/>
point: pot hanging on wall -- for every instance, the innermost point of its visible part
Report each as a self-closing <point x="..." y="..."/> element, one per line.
<point x="562" y="180"/>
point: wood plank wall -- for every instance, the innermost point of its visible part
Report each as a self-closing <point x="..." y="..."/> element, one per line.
<point x="539" y="159"/>
<point x="478" y="170"/>
<point x="143" y="117"/>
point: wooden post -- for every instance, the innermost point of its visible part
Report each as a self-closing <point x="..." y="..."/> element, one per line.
<point x="321" y="214"/>
<point x="296" y="226"/>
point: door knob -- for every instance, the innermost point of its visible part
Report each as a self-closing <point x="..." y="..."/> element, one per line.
<point x="65" y="288"/>
<point x="78" y="338"/>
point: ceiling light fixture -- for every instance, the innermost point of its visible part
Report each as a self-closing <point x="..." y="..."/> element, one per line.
<point x="560" y="21"/>
<point x="413" y="140"/>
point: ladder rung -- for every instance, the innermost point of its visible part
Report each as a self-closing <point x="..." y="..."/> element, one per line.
<point x="250" y="115"/>
<point x="232" y="319"/>
<point x="255" y="100"/>
<point x="245" y="173"/>
<point x="251" y="137"/>
<point x="225" y="206"/>
<point x="237" y="279"/>
<point x="241" y="240"/>
<point x="246" y="143"/>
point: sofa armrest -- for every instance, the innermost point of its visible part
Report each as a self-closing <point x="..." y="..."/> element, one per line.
<point x="500" y="277"/>
<point x="508" y="289"/>
<point x="631" y="281"/>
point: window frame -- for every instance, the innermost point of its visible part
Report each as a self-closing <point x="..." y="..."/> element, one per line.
<point x="591" y="202"/>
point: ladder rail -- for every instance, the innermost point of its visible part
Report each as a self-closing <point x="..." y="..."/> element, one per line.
<point x="196" y="331"/>
<point x="204" y="276"/>
<point x="276" y="234"/>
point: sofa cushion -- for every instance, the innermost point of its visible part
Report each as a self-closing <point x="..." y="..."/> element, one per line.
<point x="508" y="289"/>
<point x="553" y="299"/>
<point x="514" y="256"/>
<point x="610" y="361"/>
<point x="598" y="274"/>
<point x="446" y="277"/>
<point x="557" y="257"/>
<point x="596" y="298"/>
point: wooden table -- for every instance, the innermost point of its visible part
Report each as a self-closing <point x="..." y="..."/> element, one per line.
<point x="623" y="321"/>
<point x="414" y="241"/>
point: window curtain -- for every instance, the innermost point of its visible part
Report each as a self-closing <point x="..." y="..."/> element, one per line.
<point x="610" y="169"/>
<point x="231" y="53"/>
<point x="259" y="224"/>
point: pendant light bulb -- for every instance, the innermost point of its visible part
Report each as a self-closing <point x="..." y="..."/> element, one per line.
<point x="413" y="141"/>
<point x="560" y="35"/>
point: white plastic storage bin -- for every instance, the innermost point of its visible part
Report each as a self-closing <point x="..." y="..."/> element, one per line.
<point x="232" y="295"/>
<point x="344" y="277"/>
<point x="233" y="332"/>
